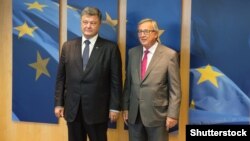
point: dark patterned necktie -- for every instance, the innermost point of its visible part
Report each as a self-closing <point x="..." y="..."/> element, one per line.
<point x="85" y="55"/>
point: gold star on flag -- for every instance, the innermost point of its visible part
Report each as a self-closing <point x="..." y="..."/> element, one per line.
<point x="208" y="74"/>
<point x="25" y="29"/>
<point x="192" y="106"/>
<point x="36" y="6"/>
<point x="160" y="33"/>
<point x="110" y="21"/>
<point x="40" y="66"/>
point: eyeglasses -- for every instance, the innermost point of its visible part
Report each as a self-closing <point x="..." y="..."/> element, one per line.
<point x="91" y="23"/>
<point x="145" y="32"/>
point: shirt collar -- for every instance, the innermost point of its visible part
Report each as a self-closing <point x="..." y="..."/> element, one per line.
<point x="92" y="40"/>
<point x="152" y="48"/>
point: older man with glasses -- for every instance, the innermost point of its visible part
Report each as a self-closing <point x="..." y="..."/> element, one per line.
<point x="152" y="92"/>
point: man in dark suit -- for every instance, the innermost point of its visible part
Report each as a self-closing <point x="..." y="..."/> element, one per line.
<point x="89" y="81"/>
<point x="152" y="90"/>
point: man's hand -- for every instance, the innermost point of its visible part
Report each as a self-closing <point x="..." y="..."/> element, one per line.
<point x="125" y="116"/>
<point x="113" y="116"/>
<point x="170" y="122"/>
<point x="59" y="111"/>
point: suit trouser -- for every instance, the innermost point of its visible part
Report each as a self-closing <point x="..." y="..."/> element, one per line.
<point x="79" y="129"/>
<point x="139" y="132"/>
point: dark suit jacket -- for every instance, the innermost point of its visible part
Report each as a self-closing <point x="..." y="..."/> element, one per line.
<point x="158" y="95"/>
<point x="98" y="87"/>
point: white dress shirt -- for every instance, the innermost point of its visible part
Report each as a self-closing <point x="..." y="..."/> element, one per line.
<point x="91" y="45"/>
<point x="151" y="52"/>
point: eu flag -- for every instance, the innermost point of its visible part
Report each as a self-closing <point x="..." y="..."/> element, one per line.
<point x="35" y="59"/>
<point x="216" y="99"/>
<point x="220" y="54"/>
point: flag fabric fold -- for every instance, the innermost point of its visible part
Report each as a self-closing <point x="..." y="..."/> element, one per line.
<point x="211" y="104"/>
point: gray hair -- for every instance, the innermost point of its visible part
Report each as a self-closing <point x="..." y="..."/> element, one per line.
<point x="92" y="11"/>
<point x="154" y="23"/>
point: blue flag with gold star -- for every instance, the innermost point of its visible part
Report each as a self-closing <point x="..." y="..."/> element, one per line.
<point x="108" y="29"/>
<point x="216" y="99"/>
<point x="35" y="59"/>
<point x="220" y="54"/>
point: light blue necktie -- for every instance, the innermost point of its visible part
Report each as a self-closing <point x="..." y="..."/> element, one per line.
<point x="85" y="55"/>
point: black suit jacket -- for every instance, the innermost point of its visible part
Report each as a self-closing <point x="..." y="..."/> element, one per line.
<point x="98" y="87"/>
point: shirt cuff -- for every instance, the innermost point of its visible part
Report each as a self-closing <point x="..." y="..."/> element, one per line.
<point x="114" y="111"/>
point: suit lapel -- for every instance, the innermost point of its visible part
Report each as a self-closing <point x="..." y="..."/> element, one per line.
<point x="138" y="63"/>
<point x="78" y="54"/>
